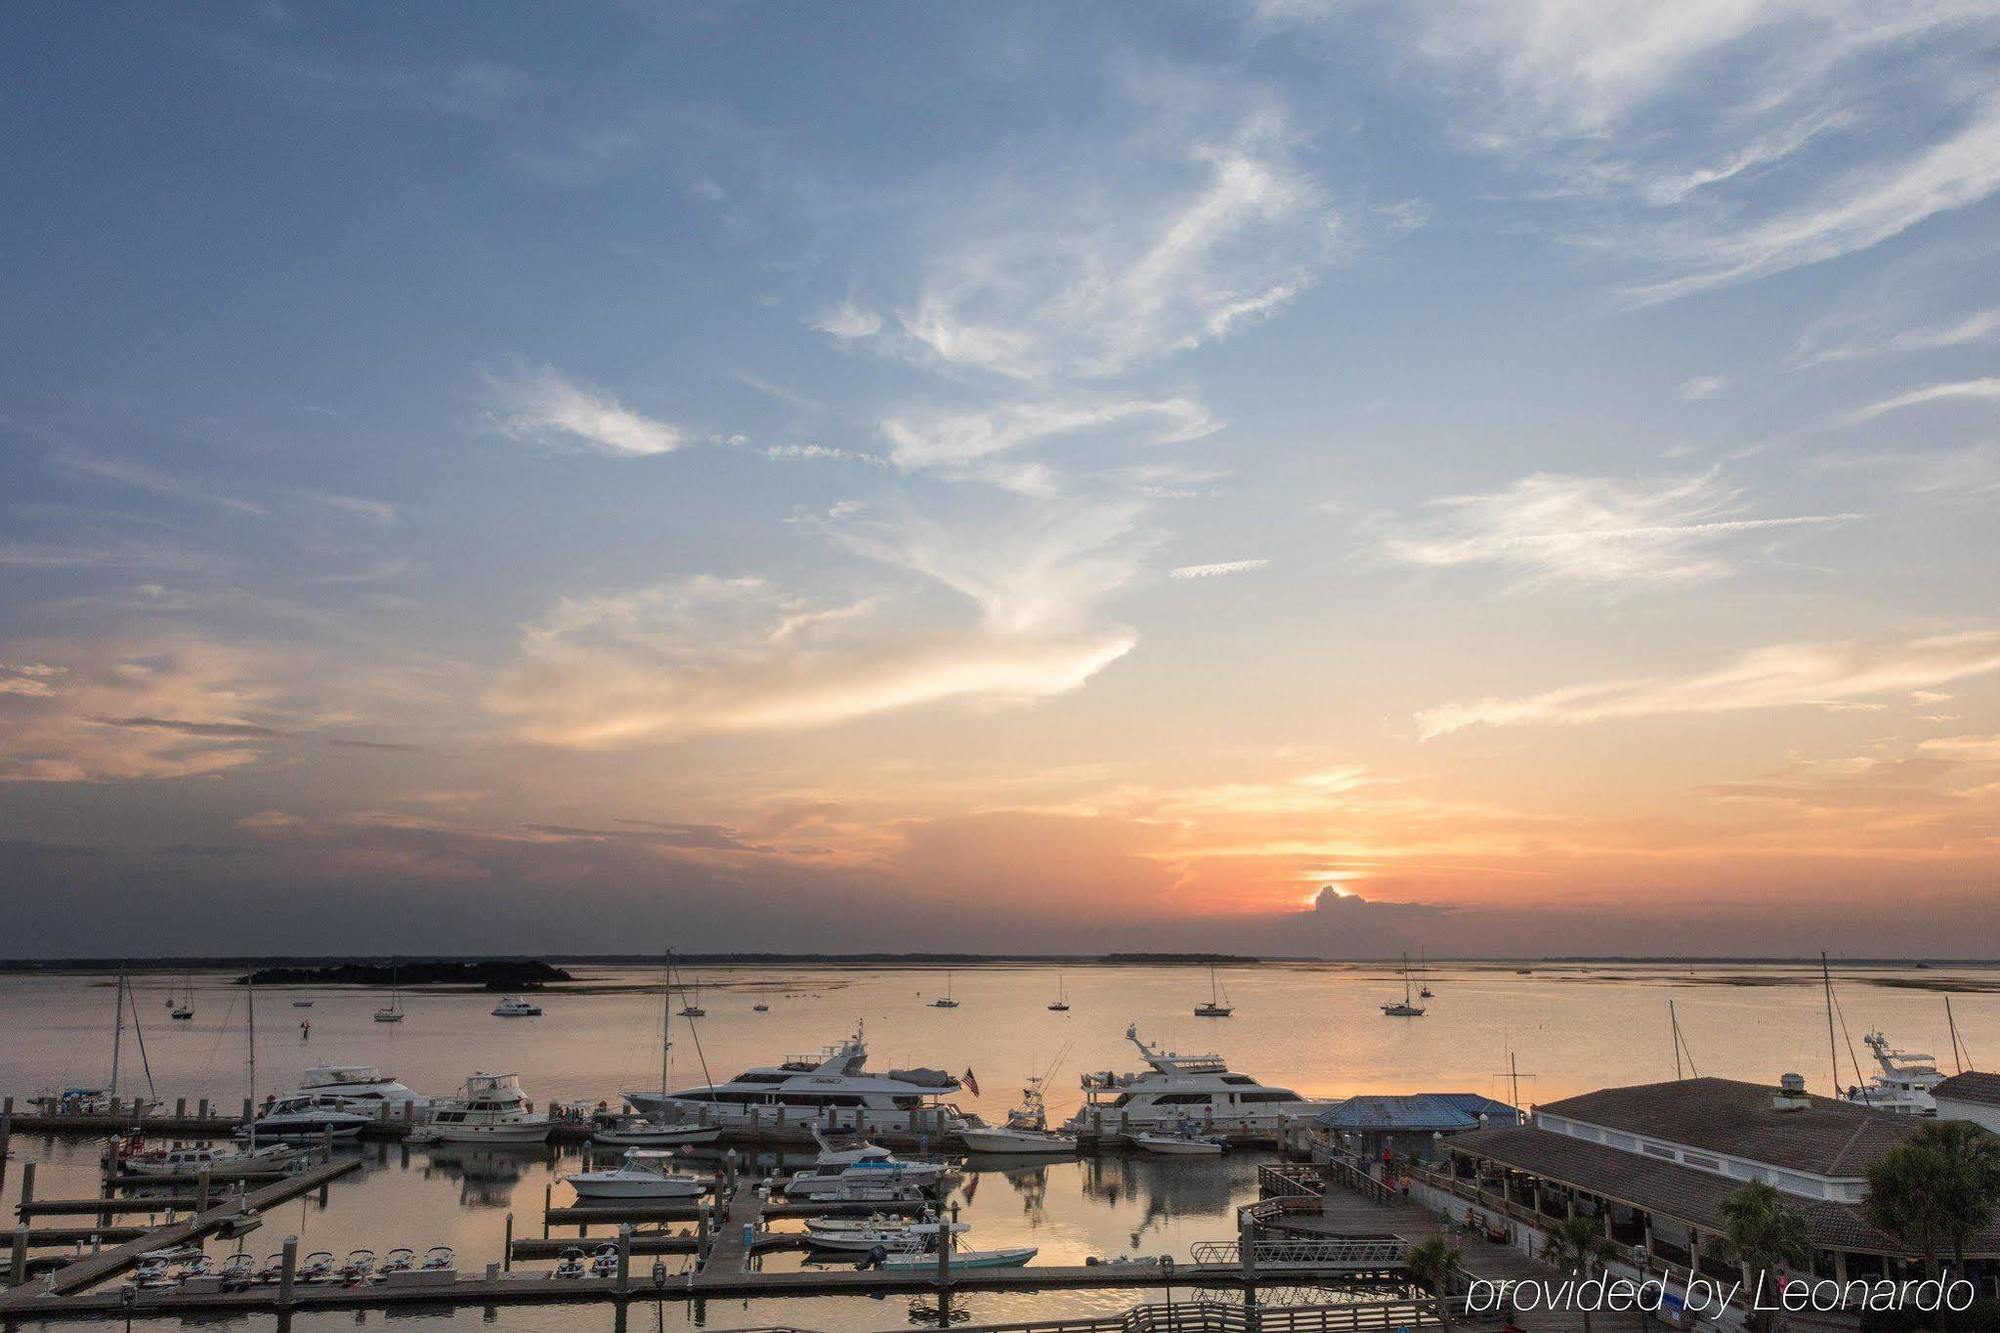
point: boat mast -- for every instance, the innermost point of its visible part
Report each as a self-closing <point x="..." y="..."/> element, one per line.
<point x="666" y="1026"/>
<point x="250" y="1009"/>
<point x="1832" y="1050"/>
<point x="1674" y="1025"/>
<point x="1406" y="976"/>
<point x="117" y="1034"/>
<point x="1960" y="1062"/>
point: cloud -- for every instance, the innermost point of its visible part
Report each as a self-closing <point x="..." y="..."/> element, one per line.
<point x="1216" y="570"/>
<point x="138" y="476"/>
<point x="1781" y="676"/>
<point x="550" y="406"/>
<point x="1967" y="749"/>
<point x="1593" y="530"/>
<point x="958" y="443"/>
<point x="1055" y="279"/>
<point x="847" y="322"/>
<point x="1702" y="386"/>
<point x="1988" y="387"/>
<point x="1980" y="326"/>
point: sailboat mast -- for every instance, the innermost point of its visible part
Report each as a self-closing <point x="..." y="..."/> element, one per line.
<point x="1832" y="1049"/>
<point x="117" y="1035"/>
<point x="666" y="1026"/>
<point x="1674" y="1025"/>
<point x="250" y="1010"/>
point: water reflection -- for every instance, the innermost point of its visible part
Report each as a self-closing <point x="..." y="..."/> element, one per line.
<point x="486" y="1174"/>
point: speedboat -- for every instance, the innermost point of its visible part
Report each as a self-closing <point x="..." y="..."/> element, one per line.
<point x="892" y="1233"/>
<point x="1026" y="1131"/>
<point x="308" y="1116"/>
<point x="639" y="1175"/>
<point x="516" y="1007"/>
<point x="364" y="1085"/>
<point x="315" y="1267"/>
<point x="357" y="1267"/>
<point x="569" y="1264"/>
<point x="833" y="1089"/>
<point x="217" y="1163"/>
<point x="916" y="1258"/>
<point x="1181" y="1144"/>
<point x="604" y="1261"/>
<point x="1179" y="1087"/>
<point x="490" y="1109"/>
<point x="1904" y="1084"/>
<point x="866" y="1165"/>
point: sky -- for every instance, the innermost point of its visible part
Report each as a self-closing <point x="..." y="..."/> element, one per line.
<point x="1310" y="479"/>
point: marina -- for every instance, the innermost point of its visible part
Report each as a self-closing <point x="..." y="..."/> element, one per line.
<point x="508" y="1205"/>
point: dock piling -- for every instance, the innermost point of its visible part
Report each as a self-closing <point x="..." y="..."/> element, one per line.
<point x="201" y="1190"/>
<point x="507" y="1243"/>
<point x="17" y="1270"/>
<point x="624" y="1257"/>
<point x="27" y="1184"/>
<point x="288" y="1271"/>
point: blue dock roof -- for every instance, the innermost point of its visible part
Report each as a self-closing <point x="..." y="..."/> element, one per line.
<point x="1415" y="1113"/>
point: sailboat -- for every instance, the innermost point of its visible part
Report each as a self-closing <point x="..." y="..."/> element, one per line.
<point x="693" y="1009"/>
<point x="1214" y="1008"/>
<point x="392" y="1012"/>
<point x="1406" y="1009"/>
<point x="184" y="1011"/>
<point x="638" y="1132"/>
<point x="1423" y="991"/>
<point x="1060" y="1005"/>
<point x="99" y="1100"/>
<point x="945" y="1001"/>
<point x="226" y="1163"/>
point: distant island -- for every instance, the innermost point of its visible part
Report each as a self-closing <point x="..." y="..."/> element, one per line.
<point x="509" y="975"/>
<point x="1201" y="959"/>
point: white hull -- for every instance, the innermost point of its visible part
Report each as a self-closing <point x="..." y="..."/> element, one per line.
<point x="1018" y="1142"/>
<point x="730" y="1115"/>
<point x="224" y="1166"/>
<point x="868" y="1184"/>
<point x="521" y="1131"/>
<point x="1175" y="1146"/>
<point x="658" y="1136"/>
<point x="965" y="1259"/>
<point x="637" y="1185"/>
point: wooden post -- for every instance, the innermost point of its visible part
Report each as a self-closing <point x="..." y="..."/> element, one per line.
<point x="246" y="1111"/>
<point x="507" y="1243"/>
<point x="944" y="1249"/>
<point x="18" y="1268"/>
<point x="624" y="1258"/>
<point x="202" y="1108"/>
<point x="201" y="1190"/>
<point x="701" y="1236"/>
<point x="180" y="1108"/>
<point x="27" y="1183"/>
<point x="6" y="1133"/>
<point x="288" y="1271"/>
<point x="548" y="1193"/>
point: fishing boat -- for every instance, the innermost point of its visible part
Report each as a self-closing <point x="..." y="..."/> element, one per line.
<point x="1175" y="1087"/>
<point x="513" y="1006"/>
<point x="867" y="1165"/>
<point x="1904" y="1083"/>
<point x="490" y="1109"/>
<point x="1181" y="1143"/>
<point x="834" y="1089"/>
<point x="945" y="1001"/>
<point x="1026" y="1132"/>
<point x="392" y="1012"/>
<point x="1408" y="1008"/>
<point x="1214" y="1007"/>
<point x="1060" y="1005"/>
<point x="640" y="1174"/>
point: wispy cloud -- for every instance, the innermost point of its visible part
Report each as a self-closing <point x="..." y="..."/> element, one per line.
<point x="1216" y="570"/>
<point x="1781" y="676"/>
<point x="1814" y="349"/>
<point x="550" y="408"/>
<point x="1988" y="387"/>
<point x="959" y="443"/>
<point x="1702" y="386"/>
<point x="1600" y="530"/>
<point x="125" y="472"/>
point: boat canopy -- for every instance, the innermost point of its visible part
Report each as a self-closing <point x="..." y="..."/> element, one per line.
<point x="926" y="1078"/>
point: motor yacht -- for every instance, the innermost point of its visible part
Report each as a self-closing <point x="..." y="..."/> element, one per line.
<point x="364" y="1085"/>
<point x="1199" y="1087"/>
<point x="308" y="1116"/>
<point x="640" y="1174"/>
<point x="1904" y="1084"/>
<point x="490" y="1109"/>
<point x="516" y="1007"/>
<point x="864" y="1165"/>
<point x="833" y="1089"/>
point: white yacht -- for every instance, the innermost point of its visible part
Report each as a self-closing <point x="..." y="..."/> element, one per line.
<point x="490" y="1109"/>
<point x="217" y="1163"/>
<point x="640" y="1175"/>
<point x="865" y="1170"/>
<point x="1905" y="1083"/>
<point x="516" y="1007"/>
<point x="1198" y="1088"/>
<point x="832" y="1089"/>
<point x="304" y="1115"/>
<point x="364" y="1085"/>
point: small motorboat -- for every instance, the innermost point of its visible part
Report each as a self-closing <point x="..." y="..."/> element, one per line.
<point x="315" y="1267"/>
<point x="865" y="1165"/>
<point x="569" y="1264"/>
<point x="181" y="1013"/>
<point x="1009" y="1258"/>
<point x="438" y="1259"/>
<point x="273" y="1269"/>
<point x="513" y="1006"/>
<point x="604" y="1261"/>
<point x="862" y="1234"/>
<point x="399" y="1260"/>
<point x="642" y="1133"/>
<point x="1158" y="1141"/>
<point x="302" y="1004"/>
<point x="760" y="1008"/>
<point x="642" y="1174"/>
<point x="357" y="1267"/>
<point x="238" y="1272"/>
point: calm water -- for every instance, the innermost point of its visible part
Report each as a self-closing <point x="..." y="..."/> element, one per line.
<point x="1315" y="1028"/>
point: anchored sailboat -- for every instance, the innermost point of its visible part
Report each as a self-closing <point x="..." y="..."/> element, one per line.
<point x="1060" y="1005"/>
<point x="393" y="1011"/>
<point x="1407" y="1009"/>
<point x="945" y="1001"/>
<point x="1214" y="1008"/>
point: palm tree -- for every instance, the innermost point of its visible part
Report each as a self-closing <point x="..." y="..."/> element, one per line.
<point x="1761" y="1230"/>
<point x="1430" y="1264"/>
<point x="1938" y="1187"/>
<point x="1577" y="1244"/>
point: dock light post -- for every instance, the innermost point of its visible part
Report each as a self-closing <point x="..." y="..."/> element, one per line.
<point x="1167" y="1267"/>
<point x="125" y="1298"/>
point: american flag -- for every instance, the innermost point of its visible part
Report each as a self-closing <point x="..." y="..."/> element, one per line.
<point x="970" y="1081"/>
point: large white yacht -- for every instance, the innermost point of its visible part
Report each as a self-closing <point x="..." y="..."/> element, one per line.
<point x="833" y="1090"/>
<point x="363" y="1084"/>
<point x="1905" y="1083"/>
<point x="1197" y="1089"/>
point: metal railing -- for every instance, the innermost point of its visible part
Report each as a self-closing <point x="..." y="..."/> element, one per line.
<point x="1279" y="1182"/>
<point x="1375" y="1251"/>
<point x="1206" y="1317"/>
